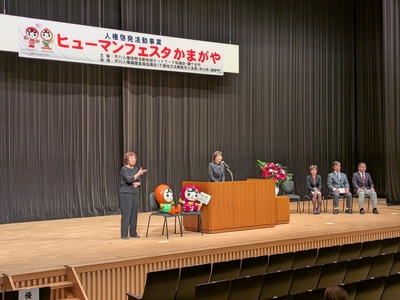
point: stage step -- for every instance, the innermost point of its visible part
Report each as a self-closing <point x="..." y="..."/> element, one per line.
<point x="56" y="285"/>
<point x="72" y="286"/>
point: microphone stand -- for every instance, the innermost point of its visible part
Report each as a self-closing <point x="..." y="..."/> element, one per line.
<point x="230" y="173"/>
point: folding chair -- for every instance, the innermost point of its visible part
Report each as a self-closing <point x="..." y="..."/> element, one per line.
<point x="341" y="197"/>
<point x="305" y="279"/>
<point x="246" y="287"/>
<point x="370" y="248"/>
<point x="365" y="197"/>
<point x="254" y="266"/>
<point x="370" y="288"/>
<point x="217" y="290"/>
<point x="304" y="258"/>
<point x="349" y="251"/>
<point x="225" y="270"/>
<point x="327" y="255"/>
<point x="189" y="278"/>
<point x="160" y="285"/>
<point x="381" y="265"/>
<point x="276" y="284"/>
<point x="156" y="211"/>
<point x="357" y="269"/>
<point x="332" y="274"/>
<point x="280" y="262"/>
<point x="390" y="245"/>
<point x="392" y="287"/>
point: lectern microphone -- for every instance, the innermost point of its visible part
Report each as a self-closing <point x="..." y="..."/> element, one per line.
<point x="225" y="164"/>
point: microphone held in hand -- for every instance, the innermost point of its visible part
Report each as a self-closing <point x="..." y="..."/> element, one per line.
<point x="225" y="164"/>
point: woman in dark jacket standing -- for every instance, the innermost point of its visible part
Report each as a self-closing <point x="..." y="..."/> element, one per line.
<point x="129" y="195"/>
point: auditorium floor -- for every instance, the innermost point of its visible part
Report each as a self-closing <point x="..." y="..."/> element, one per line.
<point x="46" y="245"/>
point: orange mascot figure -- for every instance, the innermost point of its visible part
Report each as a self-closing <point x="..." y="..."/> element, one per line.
<point x="190" y="194"/>
<point x="165" y="199"/>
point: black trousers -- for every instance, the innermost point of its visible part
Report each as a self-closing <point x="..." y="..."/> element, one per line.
<point x="129" y="204"/>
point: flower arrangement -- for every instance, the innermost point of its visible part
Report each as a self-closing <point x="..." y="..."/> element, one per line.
<point x="280" y="174"/>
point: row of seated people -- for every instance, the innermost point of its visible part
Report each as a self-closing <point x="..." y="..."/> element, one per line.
<point x="339" y="187"/>
<point x="369" y="255"/>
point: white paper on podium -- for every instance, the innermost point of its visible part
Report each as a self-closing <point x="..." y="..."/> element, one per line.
<point x="28" y="294"/>
<point x="204" y="198"/>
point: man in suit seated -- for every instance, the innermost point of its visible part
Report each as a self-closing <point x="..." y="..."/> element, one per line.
<point x="363" y="185"/>
<point x="339" y="185"/>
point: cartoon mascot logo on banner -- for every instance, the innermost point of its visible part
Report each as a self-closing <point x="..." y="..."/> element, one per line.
<point x="189" y="195"/>
<point x="165" y="198"/>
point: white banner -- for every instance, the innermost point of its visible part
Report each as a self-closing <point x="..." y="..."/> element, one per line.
<point x="44" y="39"/>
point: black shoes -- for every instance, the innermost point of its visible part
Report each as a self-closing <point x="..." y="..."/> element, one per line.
<point x="348" y="211"/>
<point x="136" y="236"/>
<point x="374" y="211"/>
<point x="336" y="211"/>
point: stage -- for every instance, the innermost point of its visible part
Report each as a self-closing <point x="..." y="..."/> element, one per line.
<point x="100" y="257"/>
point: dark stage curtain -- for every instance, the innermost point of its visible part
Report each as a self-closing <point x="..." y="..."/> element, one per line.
<point x="391" y="91"/>
<point x="292" y="102"/>
<point x="369" y="108"/>
<point x="60" y="128"/>
<point x="59" y="139"/>
<point x="303" y="67"/>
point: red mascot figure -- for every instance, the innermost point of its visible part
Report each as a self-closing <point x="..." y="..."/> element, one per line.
<point x="189" y="195"/>
<point x="165" y="198"/>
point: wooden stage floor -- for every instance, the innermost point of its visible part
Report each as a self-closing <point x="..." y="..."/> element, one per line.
<point x="46" y="245"/>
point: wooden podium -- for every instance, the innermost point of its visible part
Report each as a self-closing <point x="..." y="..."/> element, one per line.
<point x="238" y="205"/>
<point x="282" y="209"/>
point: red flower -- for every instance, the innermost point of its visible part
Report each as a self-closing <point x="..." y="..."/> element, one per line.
<point x="275" y="171"/>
